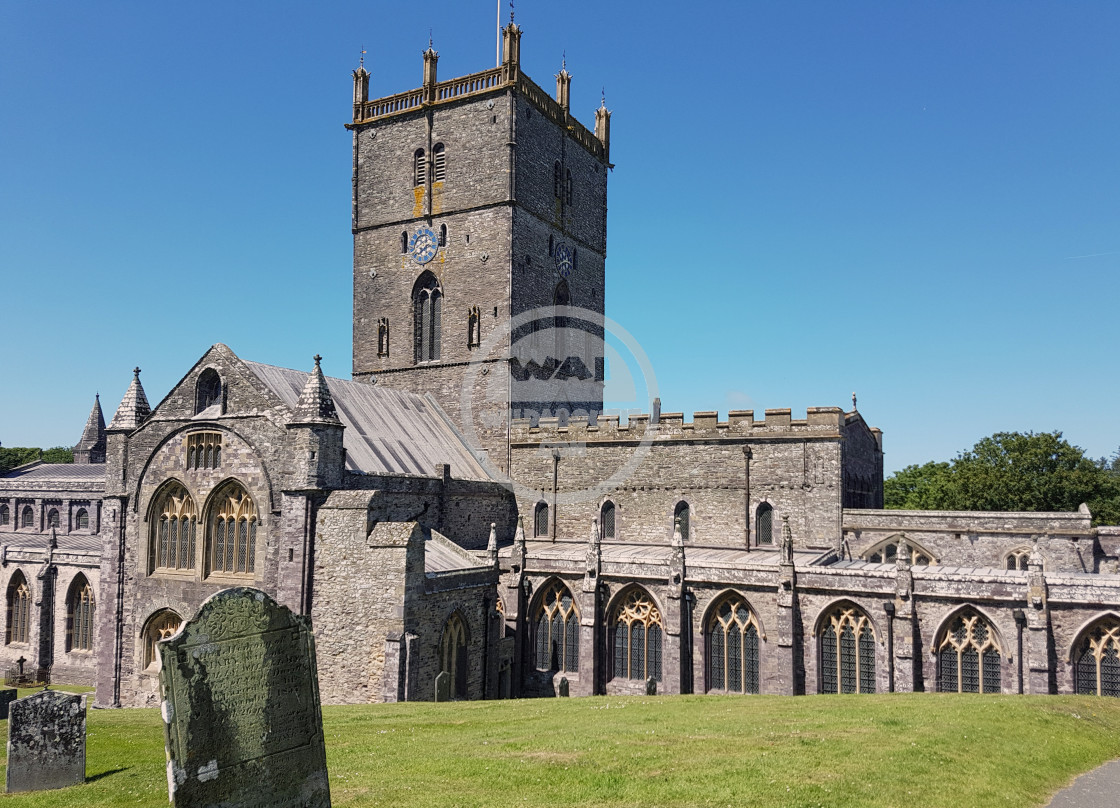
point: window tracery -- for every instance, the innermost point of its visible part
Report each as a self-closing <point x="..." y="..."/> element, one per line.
<point x="204" y="450"/>
<point x="427" y="303"/>
<point x="172" y="541"/>
<point x="453" y="654"/>
<point x="1097" y="662"/>
<point x="79" y="615"/>
<point x="847" y="644"/>
<point x="160" y="626"/>
<point x="886" y="552"/>
<point x="19" y="609"/>
<point x="232" y="543"/>
<point x="968" y="659"/>
<point x="557" y="631"/>
<point x="1018" y="559"/>
<point x="637" y="636"/>
<point x="733" y="658"/>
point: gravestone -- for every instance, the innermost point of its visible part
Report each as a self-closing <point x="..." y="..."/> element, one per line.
<point x="7" y="696"/>
<point x="443" y="686"/>
<point x="651" y="686"/>
<point x="562" y="688"/>
<point x="240" y="707"/>
<point x="46" y="742"/>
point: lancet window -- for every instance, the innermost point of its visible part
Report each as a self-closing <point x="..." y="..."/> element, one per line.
<point x="453" y="654"/>
<point x="474" y="327"/>
<point x="540" y="520"/>
<point x="681" y="516"/>
<point x="419" y="168"/>
<point x="557" y="631"/>
<point x="847" y="644"/>
<point x="427" y="303"/>
<point x="204" y="450"/>
<point x="968" y="659"/>
<point x="607" y="520"/>
<point x="764" y="524"/>
<point x="82" y="519"/>
<point x="733" y="656"/>
<point x="439" y="174"/>
<point x="383" y="336"/>
<point x="637" y="631"/>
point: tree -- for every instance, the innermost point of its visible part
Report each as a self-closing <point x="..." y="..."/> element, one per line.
<point x="1011" y="471"/>
<point x="15" y="456"/>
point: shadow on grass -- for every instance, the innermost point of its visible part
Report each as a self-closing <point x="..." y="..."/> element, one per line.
<point x="107" y="773"/>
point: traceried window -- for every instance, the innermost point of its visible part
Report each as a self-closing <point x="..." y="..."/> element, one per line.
<point x="732" y="639"/>
<point x="231" y="542"/>
<point x="453" y="654"/>
<point x="636" y="631"/>
<point x="82" y="519"/>
<point x="1018" y="559"/>
<point x="5" y="515"/>
<point x="607" y="520"/>
<point x="79" y="615"/>
<point x="968" y="659"/>
<point x="383" y="336"/>
<point x="419" y="168"/>
<point x="19" y="609"/>
<point x="540" y="519"/>
<point x="681" y="516"/>
<point x="208" y="390"/>
<point x="557" y="179"/>
<point x="161" y="625"/>
<point x="886" y="552"/>
<point x="764" y="524"/>
<point x="557" y="631"/>
<point x="1096" y="660"/>
<point x="204" y="450"/>
<point x="173" y="532"/>
<point x="439" y="173"/>
<point x="474" y="327"/>
<point x="53" y="519"/>
<point x="427" y="303"/>
<point x="847" y="644"/>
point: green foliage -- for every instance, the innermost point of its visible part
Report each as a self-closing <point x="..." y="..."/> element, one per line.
<point x="21" y="455"/>
<point x="1012" y="471"/>
<point x="932" y="750"/>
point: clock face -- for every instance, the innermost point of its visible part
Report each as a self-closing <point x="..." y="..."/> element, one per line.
<point x="563" y="260"/>
<point x="423" y="245"/>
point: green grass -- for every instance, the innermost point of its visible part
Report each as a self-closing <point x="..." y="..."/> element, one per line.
<point x="866" y="751"/>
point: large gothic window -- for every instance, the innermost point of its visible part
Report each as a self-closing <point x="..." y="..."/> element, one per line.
<point x="161" y="625"/>
<point x="847" y="644"/>
<point x="19" y="609"/>
<point x="231" y="541"/>
<point x="79" y="615"/>
<point x="427" y="302"/>
<point x="732" y="639"/>
<point x="557" y="631"/>
<point x="453" y="654"/>
<point x="764" y="524"/>
<point x="636" y="634"/>
<point x="174" y="528"/>
<point x="968" y="659"/>
<point x="1097" y="660"/>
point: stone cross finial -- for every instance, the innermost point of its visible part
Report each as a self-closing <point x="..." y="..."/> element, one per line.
<point x="136" y="372"/>
<point x="853" y="402"/>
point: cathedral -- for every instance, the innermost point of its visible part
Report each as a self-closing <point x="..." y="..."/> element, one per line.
<point x="462" y="518"/>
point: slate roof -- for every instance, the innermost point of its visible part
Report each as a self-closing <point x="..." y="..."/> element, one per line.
<point x="41" y="541"/>
<point x="387" y="431"/>
<point x="443" y="555"/>
<point x="57" y="472"/>
<point x="732" y="557"/>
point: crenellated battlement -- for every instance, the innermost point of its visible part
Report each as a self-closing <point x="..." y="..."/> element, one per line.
<point x="705" y="424"/>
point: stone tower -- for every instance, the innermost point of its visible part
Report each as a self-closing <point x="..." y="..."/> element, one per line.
<point x="480" y="229"/>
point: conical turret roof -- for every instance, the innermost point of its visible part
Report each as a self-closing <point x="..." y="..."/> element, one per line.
<point x="91" y="446"/>
<point x="315" y="404"/>
<point x="134" y="408"/>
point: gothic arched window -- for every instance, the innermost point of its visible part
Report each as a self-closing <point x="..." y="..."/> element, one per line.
<point x="174" y="527"/>
<point x="540" y="519"/>
<point x="682" y="515"/>
<point x="968" y="659"/>
<point x="161" y="625"/>
<point x="79" y="615"/>
<point x="886" y="552"/>
<point x="557" y="631"/>
<point x="607" y="520"/>
<point x="82" y="519"/>
<point x="419" y="168"/>
<point x="1019" y="559"/>
<point x="19" y="609"/>
<point x="847" y="644"/>
<point x="453" y="654"/>
<point x="427" y="303"/>
<point x="636" y="632"/>
<point x="28" y="519"/>
<point x="439" y="174"/>
<point x="231" y="541"/>
<point x="208" y="390"/>
<point x="764" y="524"/>
<point x="1096" y="663"/>
<point x="732" y="640"/>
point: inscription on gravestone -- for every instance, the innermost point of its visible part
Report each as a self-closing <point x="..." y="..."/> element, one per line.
<point x="241" y="707"/>
<point x="46" y="742"/>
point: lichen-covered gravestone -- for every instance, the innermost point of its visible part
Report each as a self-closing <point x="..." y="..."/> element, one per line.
<point x="241" y="707"/>
<point x="46" y="741"/>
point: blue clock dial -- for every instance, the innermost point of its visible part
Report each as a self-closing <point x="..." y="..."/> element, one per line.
<point x="423" y="245"/>
<point x="563" y="255"/>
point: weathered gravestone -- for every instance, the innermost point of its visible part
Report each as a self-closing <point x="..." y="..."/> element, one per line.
<point x="562" y="688"/>
<point x="7" y="696"/>
<point x="443" y="686"/>
<point x="241" y="707"/>
<point x="46" y="741"/>
<point x="651" y="686"/>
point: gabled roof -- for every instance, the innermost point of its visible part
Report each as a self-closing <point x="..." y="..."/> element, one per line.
<point x="387" y="431"/>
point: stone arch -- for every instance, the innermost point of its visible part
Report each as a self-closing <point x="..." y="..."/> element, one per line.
<point x="161" y="624"/>
<point x="683" y="511"/>
<point x="171" y="509"/>
<point x="19" y="597"/>
<point x="455" y="639"/>
<point x="886" y="549"/>
<point x="427" y="307"/>
<point x="1095" y="656"/>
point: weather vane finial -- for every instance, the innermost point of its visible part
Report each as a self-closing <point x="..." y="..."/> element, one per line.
<point x="362" y="59"/>
<point x="429" y="39"/>
<point x="511" y="12"/>
<point x="853" y="402"/>
<point x="564" y="59"/>
<point x="603" y="100"/>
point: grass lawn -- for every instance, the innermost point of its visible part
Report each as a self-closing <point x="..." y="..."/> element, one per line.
<point x="923" y="750"/>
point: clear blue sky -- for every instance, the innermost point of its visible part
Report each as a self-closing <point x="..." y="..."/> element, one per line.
<point x="917" y="201"/>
